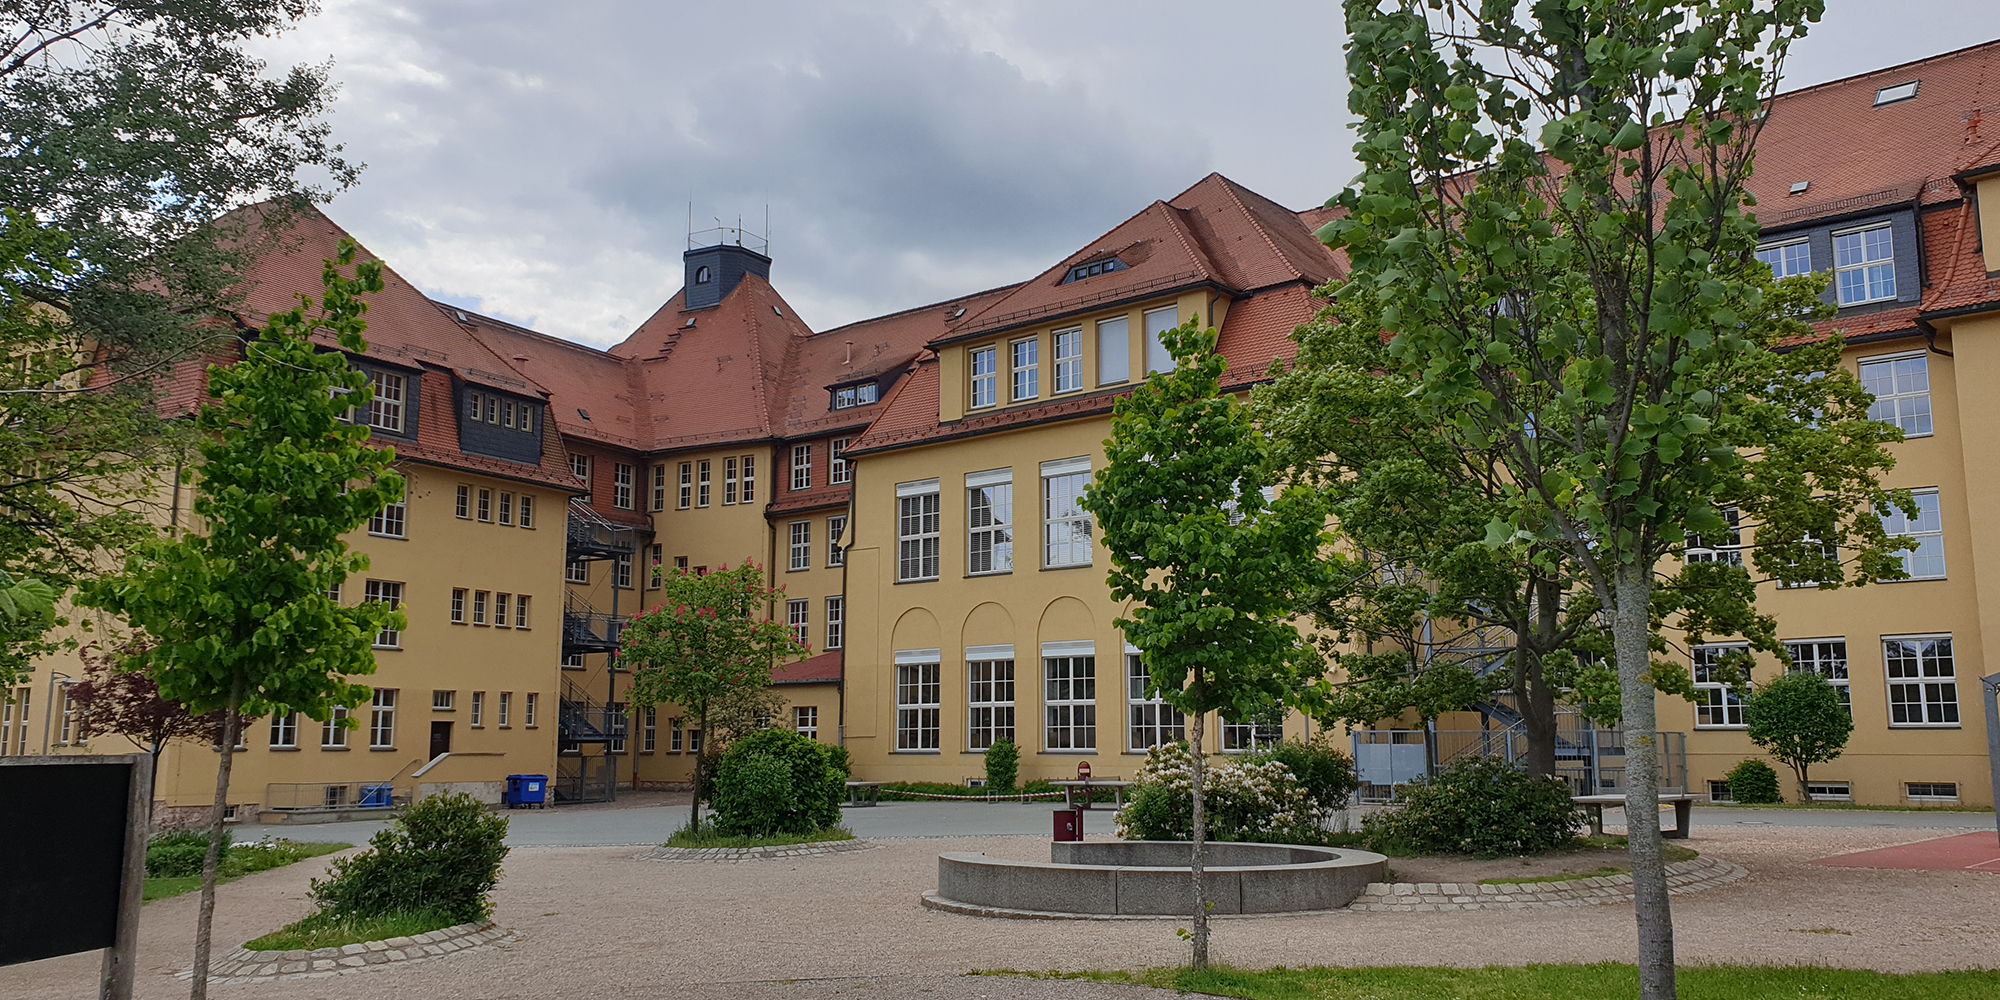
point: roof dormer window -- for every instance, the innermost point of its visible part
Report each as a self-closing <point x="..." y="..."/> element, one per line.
<point x="848" y="397"/>
<point x="701" y="275"/>
<point x="1094" y="268"/>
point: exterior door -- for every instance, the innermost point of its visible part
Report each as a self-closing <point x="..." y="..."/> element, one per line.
<point x="440" y="738"/>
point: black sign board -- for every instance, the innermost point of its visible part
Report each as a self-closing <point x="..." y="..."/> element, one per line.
<point x="68" y="827"/>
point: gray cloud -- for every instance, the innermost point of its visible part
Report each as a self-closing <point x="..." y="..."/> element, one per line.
<point x="536" y="161"/>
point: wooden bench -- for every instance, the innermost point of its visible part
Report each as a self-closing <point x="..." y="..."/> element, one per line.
<point x="864" y="793"/>
<point x="1070" y="788"/>
<point x="1683" y="812"/>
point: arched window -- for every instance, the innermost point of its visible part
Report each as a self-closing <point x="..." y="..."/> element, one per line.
<point x="701" y="275"/>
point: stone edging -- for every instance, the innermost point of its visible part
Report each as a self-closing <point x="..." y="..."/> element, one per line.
<point x="246" y="966"/>
<point x="774" y="852"/>
<point x="1421" y="897"/>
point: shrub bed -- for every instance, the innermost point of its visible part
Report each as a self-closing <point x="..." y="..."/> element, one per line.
<point x="1753" y="782"/>
<point x="1254" y="799"/>
<point x="438" y="862"/>
<point x="778" y="782"/>
<point x="173" y="860"/>
<point x="1483" y="807"/>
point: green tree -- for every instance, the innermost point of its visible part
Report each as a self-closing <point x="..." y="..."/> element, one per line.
<point x="1551" y="224"/>
<point x="1798" y="719"/>
<point x="1210" y="567"/>
<point x="237" y="613"/>
<point x="709" y="637"/>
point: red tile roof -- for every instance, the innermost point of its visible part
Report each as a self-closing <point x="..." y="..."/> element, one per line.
<point x="821" y="669"/>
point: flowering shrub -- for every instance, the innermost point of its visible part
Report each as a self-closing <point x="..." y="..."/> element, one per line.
<point x="1250" y="799"/>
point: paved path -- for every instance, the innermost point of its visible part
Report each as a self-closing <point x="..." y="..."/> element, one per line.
<point x="629" y="825"/>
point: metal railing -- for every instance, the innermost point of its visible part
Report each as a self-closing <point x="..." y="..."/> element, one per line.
<point x="579" y="719"/>
<point x="1591" y="760"/>
<point x="589" y="536"/>
<point x="329" y="796"/>
<point x="588" y="630"/>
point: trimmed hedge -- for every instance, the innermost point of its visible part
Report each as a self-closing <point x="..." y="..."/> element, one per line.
<point x="1753" y="782"/>
<point x="778" y="782"/>
<point x="1485" y="807"/>
<point x="442" y="857"/>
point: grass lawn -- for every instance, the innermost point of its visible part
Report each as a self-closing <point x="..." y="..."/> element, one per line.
<point x="1559" y="982"/>
<point x="317" y="931"/>
<point x="709" y="838"/>
<point x="243" y="859"/>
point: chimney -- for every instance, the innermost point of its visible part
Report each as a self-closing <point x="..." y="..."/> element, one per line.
<point x="714" y="272"/>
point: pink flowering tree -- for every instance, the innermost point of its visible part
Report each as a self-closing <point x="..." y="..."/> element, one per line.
<point x="709" y="636"/>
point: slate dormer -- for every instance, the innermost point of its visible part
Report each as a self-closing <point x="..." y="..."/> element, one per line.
<point x="713" y="272"/>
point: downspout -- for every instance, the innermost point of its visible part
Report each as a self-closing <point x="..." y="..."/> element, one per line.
<point x="840" y="683"/>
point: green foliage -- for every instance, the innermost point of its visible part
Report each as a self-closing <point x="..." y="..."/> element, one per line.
<point x="1320" y="766"/>
<point x="321" y="930"/>
<point x="1251" y="798"/>
<point x="238" y="614"/>
<point x="442" y="857"/>
<point x="778" y="782"/>
<point x="1003" y="766"/>
<point x="1799" y="720"/>
<point x="1484" y="807"/>
<point x="705" y="641"/>
<point x="179" y="853"/>
<point x="708" y="837"/>
<point x="1752" y="782"/>
<point x="1210" y="566"/>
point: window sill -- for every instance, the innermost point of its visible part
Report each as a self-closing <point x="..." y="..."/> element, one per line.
<point x="1066" y="753"/>
<point x="997" y="572"/>
<point x="381" y="749"/>
<point x="283" y="749"/>
<point x="396" y="648"/>
<point x="797" y="569"/>
<point x="1926" y="725"/>
<point x="458" y="623"/>
<point x="399" y="538"/>
<point x="919" y="753"/>
<point x="1917" y="579"/>
<point x="1723" y="729"/>
<point x="921" y="579"/>
<point x="1052" y="569"/>
<point x="328" y="749"/>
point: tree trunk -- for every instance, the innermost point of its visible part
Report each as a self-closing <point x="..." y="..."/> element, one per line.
<point x="1538" y="724"/>
<point x="1630" y="626"/>
<point x="204" y="926"/>
<point x="1197" y="771"/>
<point x="1799" y="771"/>
<point x="700" y="719"/>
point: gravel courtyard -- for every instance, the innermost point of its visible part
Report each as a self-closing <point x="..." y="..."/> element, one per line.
<point x="594" y="922"/>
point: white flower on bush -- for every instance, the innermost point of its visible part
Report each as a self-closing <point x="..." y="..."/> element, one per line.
<point x="1247" y="799"/>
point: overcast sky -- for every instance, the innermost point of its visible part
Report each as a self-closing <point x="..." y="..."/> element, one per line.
<point x="536" y="160"/>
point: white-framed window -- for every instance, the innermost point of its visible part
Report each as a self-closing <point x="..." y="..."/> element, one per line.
<point x="1829" y="791"/>
<point x="485" y="508"/>
<point x="839" y="471"/>
<point x="728" y="481"/>
<point x="1067" y="347"/>
<point x="1114" y="350"/>
<point x="850" y="396"/>
<point x="1066" y="526"/>
<point x="474" y="410"/>
<point x="389" y="521"/>
<point x="1864" y="265"/>
<point x="1026" y="355"/>
<point x="674" y="737"/>
<point x="1724" y="547"/>
<point x="462" y="506"/>
<point x="520" y="611"/>
<point x="656" y="571"/>
<point x="1159" y="321"/>
<point x="444" y="701"/>
<point x="802" y="466"/>
<point x="507" y="414"/>
<point x="749" y="478"/>
<point x="385" y="592"/>
<point x="506" y="508"/>
<point x="1901" y="385"/>
<point x="505" y="709"/>
<point x="527" y="511"/>
<point x="579" y="466"/>
<point x="836" y="622"/>
<point x="1717" y="705"/>
<point x="528" y="706"/>
<point x="458" y="605"/>
<point x="649" y="731"/>
<point x="573" y="661"/>
<point x="1718" y="791"/>
<point x="805" y="721"/>
<point x="798" y="619"/>
<point x="1825" y="657"/>
<point x="983" y="367"/>
<point x="799" y="550"/>
<point x="1069" y="696"/>
<point x="1152" y="722"/>
<point x="285" y="730"/>
<point x="479" y="598"/>
<point x="836" y="526"/>
<point x="1926" y="525"/>
<point x="1923" y="680"/>
<point x="917" y="530"/>
<point x="1787" y="259"/>
<point x="577" y="572"/>
<point x="1931" y="791"/>
<point x="616" y="716"/>
<point x="1252" y="734"/>
<point x="989" y="506"/>
<point x="332" y="733"/>
<point x="659" y="487"/>
<point x="687" y="486"/>
<point x="500" y="602"/>
<point x="386" y="409"/>
<point x="918" y="695"/>
<point x="701" y="483"/>
<point x="477" y="714"/>
<point x="382" y="719"/>
<point x="621" y="571"/>
<point x="621" y="486"/>
<point x="989" y="677"/>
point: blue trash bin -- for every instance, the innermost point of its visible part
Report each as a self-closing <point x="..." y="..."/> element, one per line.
<point x="376" y="796"/>
<point x="527" y="790"/>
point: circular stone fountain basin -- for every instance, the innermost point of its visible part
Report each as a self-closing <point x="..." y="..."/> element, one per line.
<point x="1151" y="878"/>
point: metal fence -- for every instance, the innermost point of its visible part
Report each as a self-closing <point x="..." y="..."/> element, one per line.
<point x="1591" y="760"/>
<point x="317" y="796"/>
